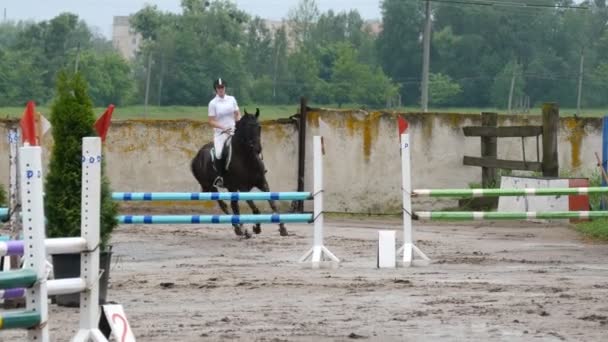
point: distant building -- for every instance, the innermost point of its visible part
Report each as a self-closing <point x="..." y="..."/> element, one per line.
<point x="124" y="39"/>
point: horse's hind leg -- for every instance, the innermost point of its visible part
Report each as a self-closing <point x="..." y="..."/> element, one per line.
<point x="256" y="228"/>
<point x="265" y="188"/>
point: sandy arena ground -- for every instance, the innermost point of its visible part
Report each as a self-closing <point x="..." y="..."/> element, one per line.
<point x="498" y="281"/>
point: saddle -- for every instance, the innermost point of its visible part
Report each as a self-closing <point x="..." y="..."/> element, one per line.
<point x="226" y="155"/>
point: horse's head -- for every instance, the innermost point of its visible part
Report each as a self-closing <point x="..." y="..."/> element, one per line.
<point x="248" y="132"/>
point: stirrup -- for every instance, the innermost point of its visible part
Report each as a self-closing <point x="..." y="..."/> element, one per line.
<point x="218" y="182"/>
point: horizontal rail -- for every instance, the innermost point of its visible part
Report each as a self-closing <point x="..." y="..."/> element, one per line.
<point x="506" y="215"/>
<point x="18" y="292"/>
<point x="54" y="287"/>
<point x="502" y="163"/>
<point x="176" y="219"/>
<point x="24" y="319"/>
<point x="19" y="278"/>
<point x="507" y="192"/>
<point x="209" y="196"/>
<point x="53" y="246"/>
<point x="65" y="286"/>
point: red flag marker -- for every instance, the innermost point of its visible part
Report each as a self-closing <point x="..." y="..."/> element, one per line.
<point x="402" y="125"/>
<point x="28" y="125"/>
<point x="103" y="123"/>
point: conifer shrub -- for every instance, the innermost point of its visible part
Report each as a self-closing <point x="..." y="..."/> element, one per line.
<point x="72" y="119"/>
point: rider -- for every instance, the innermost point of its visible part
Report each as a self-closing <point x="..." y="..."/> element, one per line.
<point x="223" y="115"/>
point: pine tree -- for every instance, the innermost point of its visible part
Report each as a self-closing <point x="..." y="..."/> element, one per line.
<point x="72" y="119"/>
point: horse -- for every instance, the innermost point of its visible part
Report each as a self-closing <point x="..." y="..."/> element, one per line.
<point x="245" y="171"/>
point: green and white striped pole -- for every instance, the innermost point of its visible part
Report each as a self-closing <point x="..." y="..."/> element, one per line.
<point x="468" y="193"/>
<point x="506" y="215"/>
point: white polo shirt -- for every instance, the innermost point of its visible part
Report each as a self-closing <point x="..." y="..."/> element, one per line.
<point x="223" y="110"/>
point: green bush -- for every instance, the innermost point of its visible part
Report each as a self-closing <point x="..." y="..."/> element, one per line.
<point x="2" y="196"/>
<point x="72" y="118"/>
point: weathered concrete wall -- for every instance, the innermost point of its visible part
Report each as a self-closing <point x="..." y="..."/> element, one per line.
<point x="362" y="161"/>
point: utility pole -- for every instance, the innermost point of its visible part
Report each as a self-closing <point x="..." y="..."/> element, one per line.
<point x="426" y="40"/>
<point x="580" y="82"/>
<point x="4" y="14"/>
<point x="511" y="90"/>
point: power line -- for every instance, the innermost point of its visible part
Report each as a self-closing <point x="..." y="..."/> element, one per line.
<point x="509" y="4"/>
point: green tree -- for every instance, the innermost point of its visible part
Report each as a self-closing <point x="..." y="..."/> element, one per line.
<point x="399" y="46"/>
<point x="301" y="20"/>
<point x="442" y="89"/>
<point x="72" y="119"/>
<point x="109" y="76"/>
<point x="501" y="87"/>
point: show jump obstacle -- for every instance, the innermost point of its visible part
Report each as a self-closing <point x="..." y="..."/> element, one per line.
<point x="316" y="254"/>
<point x="410" y="250"/>
<point x="31" y="280"/>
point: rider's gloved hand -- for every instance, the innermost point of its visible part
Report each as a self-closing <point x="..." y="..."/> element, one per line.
<point x="229" y="130"/>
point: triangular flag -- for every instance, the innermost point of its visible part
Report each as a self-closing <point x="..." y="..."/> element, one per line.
<point x="28" y="125"/>
<point x="402" y="125"/>
<point x="103" y="123"/>
<point x="45" y="125"/>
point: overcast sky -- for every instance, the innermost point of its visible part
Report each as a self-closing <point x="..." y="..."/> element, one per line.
<point x="99" y="13"/>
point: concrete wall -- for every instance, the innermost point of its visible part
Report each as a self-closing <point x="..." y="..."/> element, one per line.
<point x="362" y="161"/>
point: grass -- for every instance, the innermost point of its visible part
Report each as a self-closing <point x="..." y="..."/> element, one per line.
<point x="595" y="230"/>
<point x="270" y="112"/>
<point x="166" y="112"/>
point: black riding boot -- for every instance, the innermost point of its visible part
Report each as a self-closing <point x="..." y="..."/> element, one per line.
<point x="219" y="168"/>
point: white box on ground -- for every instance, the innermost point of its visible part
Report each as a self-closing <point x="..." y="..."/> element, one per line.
<point x="386" y="249"/>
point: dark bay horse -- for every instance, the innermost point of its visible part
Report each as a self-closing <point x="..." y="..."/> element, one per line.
<point x="245" y="171"/>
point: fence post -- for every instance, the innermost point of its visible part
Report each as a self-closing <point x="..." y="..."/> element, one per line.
<point x="604" y="165"/>
<point x="301" y="152"/>
<point x="488" y="149"/>
<point x="550" y="129"/>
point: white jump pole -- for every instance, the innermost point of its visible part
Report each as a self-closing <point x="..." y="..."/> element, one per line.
<point x="409" y="249"/>
<point x="90" y="222"/>
<point x="318" y="250"/>
<point x="30" y="168"/>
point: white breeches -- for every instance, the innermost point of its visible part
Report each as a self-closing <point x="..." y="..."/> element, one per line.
<point x="218" y="142"/>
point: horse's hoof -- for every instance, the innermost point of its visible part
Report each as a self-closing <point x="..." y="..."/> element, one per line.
<point x="247" y="234"/>
<point x="257" y="229"/>
<point x="238" y="231"/>
<point x="283" y="231"/>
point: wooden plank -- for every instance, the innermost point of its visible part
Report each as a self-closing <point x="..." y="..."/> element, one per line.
<point x="502" y="164"/>
<point x="504" y="132"/>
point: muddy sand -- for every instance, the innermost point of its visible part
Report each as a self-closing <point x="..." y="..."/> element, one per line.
<point x="499" y="281"/>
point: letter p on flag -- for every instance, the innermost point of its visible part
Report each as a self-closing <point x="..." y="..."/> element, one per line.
<point x="103" y="123"/>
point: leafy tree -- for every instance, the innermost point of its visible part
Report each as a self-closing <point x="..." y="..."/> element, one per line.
<point x="399" y="46"/>
<point x="72" y="119"/>
<point x="502" y="85"/>
<point x="302" y="20"/>
<point x="442" y="89"/>
<point x="109" y="76"/>
<point x="280" y="69"/>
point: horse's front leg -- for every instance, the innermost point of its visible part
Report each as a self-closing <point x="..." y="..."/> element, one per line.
<point x="265" y="188"/>
<point x="224" y="207"/>
<point x="238" y="226"/>
<point x="256" y="228"/>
